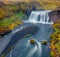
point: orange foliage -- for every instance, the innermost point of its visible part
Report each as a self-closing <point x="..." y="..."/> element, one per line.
<point x="1" y="14"/>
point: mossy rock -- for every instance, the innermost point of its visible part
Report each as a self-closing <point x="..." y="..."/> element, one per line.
<point x="44" y="42"/>
<point x="32" y="41"/>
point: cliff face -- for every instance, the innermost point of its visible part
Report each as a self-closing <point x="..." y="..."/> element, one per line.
<point x="55" y="15"/>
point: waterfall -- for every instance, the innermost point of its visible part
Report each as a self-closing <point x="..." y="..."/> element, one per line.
<point x="40" y="17"/>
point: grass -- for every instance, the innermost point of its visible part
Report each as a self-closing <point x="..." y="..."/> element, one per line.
<point x="56" y="37"/>
<point x="7" y="21"/>
<point x="20" y="15"/>
<point x="58" y="47"/>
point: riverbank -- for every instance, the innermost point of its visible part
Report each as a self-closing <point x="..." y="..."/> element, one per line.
<point x="43" y="33"/>
<point x="55" y="40"/>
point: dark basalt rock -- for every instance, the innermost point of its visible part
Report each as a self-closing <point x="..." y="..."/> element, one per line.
<point x="54" y="15"/>
<point x="2" y="34"/>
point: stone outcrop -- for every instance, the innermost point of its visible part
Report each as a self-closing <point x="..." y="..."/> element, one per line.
<point x="55" y="15"/>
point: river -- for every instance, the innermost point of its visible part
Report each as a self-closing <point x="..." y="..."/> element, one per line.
<point x="24" y="49"/>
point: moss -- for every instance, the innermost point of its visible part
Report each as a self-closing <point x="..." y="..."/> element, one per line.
<point x="27" y="35"/>
<point x="51" y="54"/>
<point x="58" y="46"/>
<point x="44" y="42"/>
<point x="55" y="37"/>
<point x="3" y="55"/>
<point x="32" y="41"/>
<point x="7" y="21"/>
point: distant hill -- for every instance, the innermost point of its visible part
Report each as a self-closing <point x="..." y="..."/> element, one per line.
<point x="46" y="4"/>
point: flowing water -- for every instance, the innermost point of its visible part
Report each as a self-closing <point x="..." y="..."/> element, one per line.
<point x="40" y="17"/>
<point x="23" y="48"/>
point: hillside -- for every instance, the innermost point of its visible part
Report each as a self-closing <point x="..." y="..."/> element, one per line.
<point x="55" y="40"/>
<point x="10" y="17"/>
<point x="46" y="4"/>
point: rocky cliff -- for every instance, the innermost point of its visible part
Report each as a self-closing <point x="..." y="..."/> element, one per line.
<point x="55" y="15"/>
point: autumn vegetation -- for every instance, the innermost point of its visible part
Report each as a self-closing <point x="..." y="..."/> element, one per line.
<point x="55" y="40"/>
<point x="10" y="17"/>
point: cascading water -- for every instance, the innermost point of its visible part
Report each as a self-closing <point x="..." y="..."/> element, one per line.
<point x="37" y="48"/>
<point x="11" y="53"/>
<point x="40" y="17"/>
<point x="24" y="48"/>
<point x="32" y="49"/>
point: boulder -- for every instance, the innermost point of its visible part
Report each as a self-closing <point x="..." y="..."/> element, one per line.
<point x="54" y="15"/>
<point x="32" y="41"/>
<point x="44" y="42"/>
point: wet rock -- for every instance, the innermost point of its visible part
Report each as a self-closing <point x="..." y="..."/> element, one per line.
<point x="3" y="33"/>
<point x="54" y="15"/>
<point x="44" y="42"/>
<point x="32" y="41"/>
